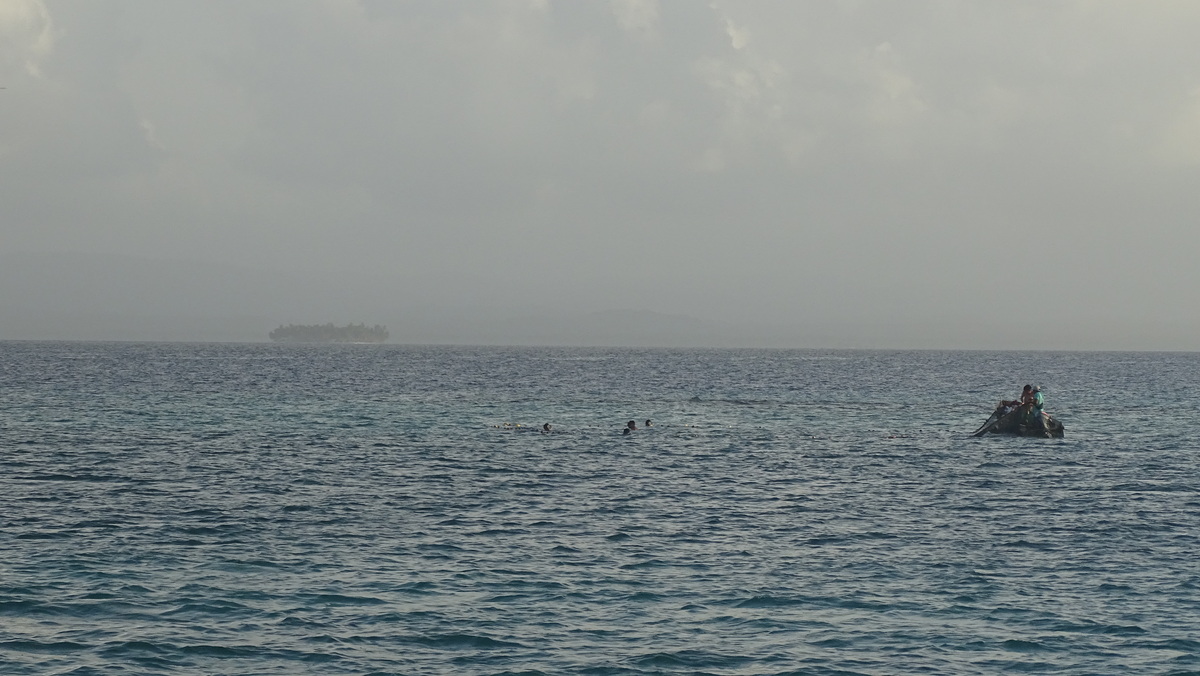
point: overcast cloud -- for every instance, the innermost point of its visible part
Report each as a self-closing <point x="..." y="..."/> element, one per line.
<point x="893" y="174"/>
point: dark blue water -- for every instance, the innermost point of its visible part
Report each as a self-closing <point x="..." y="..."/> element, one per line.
<point x="267" y="509"/>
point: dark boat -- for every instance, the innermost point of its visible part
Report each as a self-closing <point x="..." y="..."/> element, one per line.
<point x="1018" y="422"/>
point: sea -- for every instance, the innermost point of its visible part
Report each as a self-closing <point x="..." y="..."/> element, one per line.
<point x="172" y="508"/>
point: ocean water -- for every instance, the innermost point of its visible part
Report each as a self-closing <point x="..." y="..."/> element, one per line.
<point x="376" y="509"/>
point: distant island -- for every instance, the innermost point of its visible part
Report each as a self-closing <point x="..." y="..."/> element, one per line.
<point x="328" y="333"/>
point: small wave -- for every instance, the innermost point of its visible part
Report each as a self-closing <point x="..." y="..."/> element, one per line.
<point x="506" y="598"/>
<point x="833" y="643"/>
<point x="529" y="584"/>
<point x="1181" y="644"/>
<point x="692" y="658"/>
<point x="345" y="600"/>
<point x="1089" y="627"/>
<point x="221" y="651"/>
<point x="417" y="588"/>
<point x="211" y="530"/>
<point x="100" y="523"/>
<point x="652" y="563"/>
<point x="237" y="565"/>
<point x="1026" y="544"/>
<point x="291" y="621"/>
<point x="45" y="535"/>
<point x="202" y="512"/>
<point x="208" y="607"/>
<point x="440" y="546"/>
<point x="501" y="531"/>
<point x="770" y="602"/>
<point x="92" y="671"/>
<point x="22" y="607"/>
<point x="859" y="604"/>
<point x="73" y="477"/>
<point x="460" y="641"/>
<point x="50" y="648"/>
<point x="1022" y="646"/>
<point x="1145" y="487"/>
<point x="135" y="647"/>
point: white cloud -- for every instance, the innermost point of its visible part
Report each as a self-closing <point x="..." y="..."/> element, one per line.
<point x="738" y="37"/>
<point x="895" y="100"/>
<point x="151" y="135"/>
<point x="26" y="35"/>
<point x="638" y="18"/>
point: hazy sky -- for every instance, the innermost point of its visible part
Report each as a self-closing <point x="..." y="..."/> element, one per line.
<point x="849" y="164"/>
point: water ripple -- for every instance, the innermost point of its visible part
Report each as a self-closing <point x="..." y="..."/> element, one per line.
<point x="264" y="509"/>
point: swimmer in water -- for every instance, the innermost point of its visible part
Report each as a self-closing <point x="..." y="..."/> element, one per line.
<point x="631" y="425"/>
<point x="546" y="428"/>
<point x="648" y="423"/>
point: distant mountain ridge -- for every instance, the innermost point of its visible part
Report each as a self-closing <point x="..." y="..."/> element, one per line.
<point x="328" y="333"/>
<point x="114" y="297"/>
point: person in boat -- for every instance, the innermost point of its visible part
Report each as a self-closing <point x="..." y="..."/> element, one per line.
<point x="1037" y="404"/>
<point x="1026" y="403"/>
<point x="1025" y="397"/>
<point x="1007" y="406"/>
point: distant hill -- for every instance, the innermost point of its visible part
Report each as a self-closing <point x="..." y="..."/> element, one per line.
<point x="75" y="296"/>
<point x="78" y="296"/>
<point x="328" y="333"/>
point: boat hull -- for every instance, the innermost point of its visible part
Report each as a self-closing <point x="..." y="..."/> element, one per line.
<point x="1021" y="423"/>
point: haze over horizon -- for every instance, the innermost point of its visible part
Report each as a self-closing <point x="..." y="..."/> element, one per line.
<point x="630" y="172"/>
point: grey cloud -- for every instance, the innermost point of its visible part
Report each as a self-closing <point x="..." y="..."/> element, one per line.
<point x="851" y="164"/>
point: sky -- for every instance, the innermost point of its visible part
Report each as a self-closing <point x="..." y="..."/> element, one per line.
<point x="999" y="174"/>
